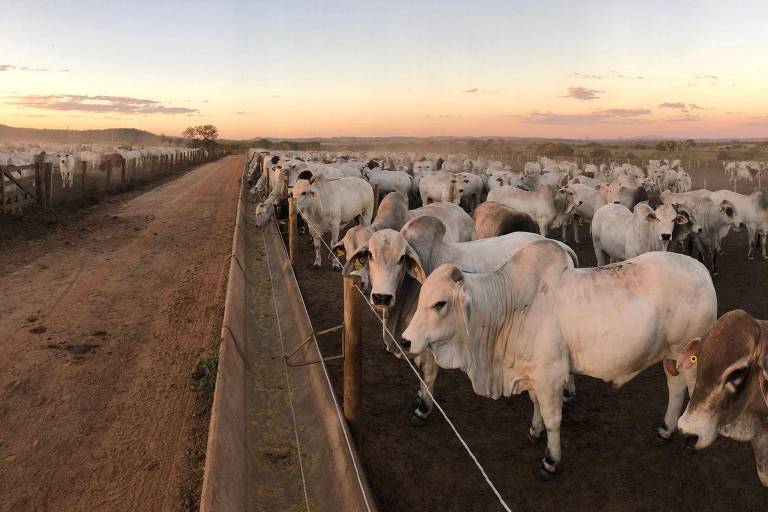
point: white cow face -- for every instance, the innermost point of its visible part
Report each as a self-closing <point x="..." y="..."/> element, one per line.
<point x="388" y="258"/>
<point x="731" y="216"/>
<point x="663" y="222"/>
<point x="571" y="199"/>
<point x="441" y="321"/>
<point x="305" y="193"/>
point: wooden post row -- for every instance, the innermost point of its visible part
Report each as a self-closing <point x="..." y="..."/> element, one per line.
<point x="83" y="167"/>
<point x="2" y="190"/>
<point x="292" y="231"/>
<point x="122" y="171"/>
<point x="40" y="183"/>
<point x="353" y="354"/>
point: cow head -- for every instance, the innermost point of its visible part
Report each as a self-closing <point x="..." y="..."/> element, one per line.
<point x="572" y="200"/>
<point x="387" y="257"/>
<point x="442" y="318"/>
<point x="731" y="216"/>
<point x="265" y="211"/>
<point x="662" y="222"/>
<point x="729" y="361"/>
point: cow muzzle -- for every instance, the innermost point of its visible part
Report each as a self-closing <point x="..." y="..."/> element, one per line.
<point x="381" y="299"/>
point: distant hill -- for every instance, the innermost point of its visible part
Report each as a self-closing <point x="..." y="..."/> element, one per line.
<point x="108" y="136"/>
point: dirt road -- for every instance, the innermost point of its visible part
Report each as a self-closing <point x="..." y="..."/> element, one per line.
<point x="100" y="324"/>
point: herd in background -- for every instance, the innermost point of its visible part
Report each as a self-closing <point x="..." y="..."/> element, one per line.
<point x="66" y="158"/>
<point x="458" y="262"/>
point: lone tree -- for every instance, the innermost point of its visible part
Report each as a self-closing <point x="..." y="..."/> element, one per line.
<point x="203" y="135"/>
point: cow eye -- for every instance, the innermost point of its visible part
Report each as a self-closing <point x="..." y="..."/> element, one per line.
<point x="736" y="377"/>
<point x="729" y="211"/>
<point x="439" y="305"/>
<point x="303" y="193"/>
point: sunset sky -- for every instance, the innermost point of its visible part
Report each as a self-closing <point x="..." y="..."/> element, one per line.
<point x="360" y="68"/>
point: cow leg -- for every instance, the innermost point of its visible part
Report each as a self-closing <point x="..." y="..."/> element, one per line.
<point x="335" y="265"/>
<point x="760" y="447"/>
<point x="763" y="243"/>
<point x="677" y="387"/>
<point x="317" y="243"/>
<point x="424" y="404"/>
<point x="551" y="406"/>
<point x="576" y="230"/>
<point x="570" y="389"/>
<point x="537" y="424"/>
<point x="751" y="237"/>
<point x="564" y="229"/>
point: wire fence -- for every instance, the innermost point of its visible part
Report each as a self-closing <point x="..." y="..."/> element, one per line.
<point x="416" y="372"/>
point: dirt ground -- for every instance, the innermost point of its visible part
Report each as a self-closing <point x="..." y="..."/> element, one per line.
<point x="104" y="313"/>
<point x="610" y="462"/>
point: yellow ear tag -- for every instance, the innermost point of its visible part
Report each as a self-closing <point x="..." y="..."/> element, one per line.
<point x="358" y="264"/>
<point x="694" y="359"/>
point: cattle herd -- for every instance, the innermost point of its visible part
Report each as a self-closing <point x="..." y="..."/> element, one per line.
<point x="66" y="158"/>
<point x="457" y="261"/>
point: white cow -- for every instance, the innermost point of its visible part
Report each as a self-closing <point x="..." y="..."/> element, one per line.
<point x="522" y="327"/>
<point x="67" y="164"/>
<point x="545" y="209"/>
<point x="620" y="234"/>
<point x="390" y="181"/>
<point x="396" y="262"/>
<point x="440" y="187"/>
<point x="326" y="205"/>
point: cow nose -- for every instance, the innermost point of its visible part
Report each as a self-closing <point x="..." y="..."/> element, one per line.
<point x="690" y="440"/>
<point x="699" y="230"/>
<point x="406" y="344"/>
<point x="581" y="203"/>
<point x="666" y="236"/>
<point x="381" y="299"/>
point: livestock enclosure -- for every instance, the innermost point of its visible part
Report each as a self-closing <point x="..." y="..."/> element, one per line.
<point x="614" y="462"/>
<point x="42" y="184"/>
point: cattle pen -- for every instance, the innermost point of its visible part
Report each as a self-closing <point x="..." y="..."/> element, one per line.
<point x="472" y="456"/>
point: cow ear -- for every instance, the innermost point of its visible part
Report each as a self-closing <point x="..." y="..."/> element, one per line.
<point x="456" y="275"/>
<point x="681" y="219"/>
<point x="338" y="250"/>
<point x="651" y="217"/>
<point x="357" y="261"/>
<point x="413" y="265"/>
<point x="689" y="356"/>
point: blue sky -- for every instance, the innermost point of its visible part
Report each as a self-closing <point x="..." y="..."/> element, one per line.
<point x="299" y="68"/>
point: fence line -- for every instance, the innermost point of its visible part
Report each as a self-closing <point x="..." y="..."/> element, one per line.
<point x="39" y="183"/>
<point x="421" y="381"/>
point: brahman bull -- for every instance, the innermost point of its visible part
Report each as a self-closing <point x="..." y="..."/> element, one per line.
<point x="396" y="262"/>
<point x="326" y="205"/>
<point x="542" y="205"/>
<point x="730" y="397"/>
<point x="522" y="327"/>
<point x="620" y="234"/>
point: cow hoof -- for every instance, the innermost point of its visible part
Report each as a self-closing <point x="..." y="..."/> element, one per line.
<point x="569" y="398"/>
<point x="547" y="470"/>
<point x="336" y="265"/>
<point x="316" y="266"/>
<point x="715" y="275"/>
<point x="418" y="421"/>
<point x="660" y="440"/>
<point x="750" y="258"/>
<point x="533" y="440"/>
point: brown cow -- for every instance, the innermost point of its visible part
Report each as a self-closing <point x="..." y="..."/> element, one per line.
<point x="729" y="395"/>
<point x="495" y="219"/>
<point x="112" y="160"/>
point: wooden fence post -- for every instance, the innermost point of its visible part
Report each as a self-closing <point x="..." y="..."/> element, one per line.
<point x="40" y="183"/>
<point x="2" y="190"/>
<point x="353" y="354"/>
<point x="375" y="200"/>
<point x="109" y="175"/>
<point x="292" y="231"/>
<point x="83" y="167"/>
<point x="48" y="177"/>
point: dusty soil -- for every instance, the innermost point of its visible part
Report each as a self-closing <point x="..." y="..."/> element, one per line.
<point x="610" y="461"/>
<point x="105" y="314"/>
